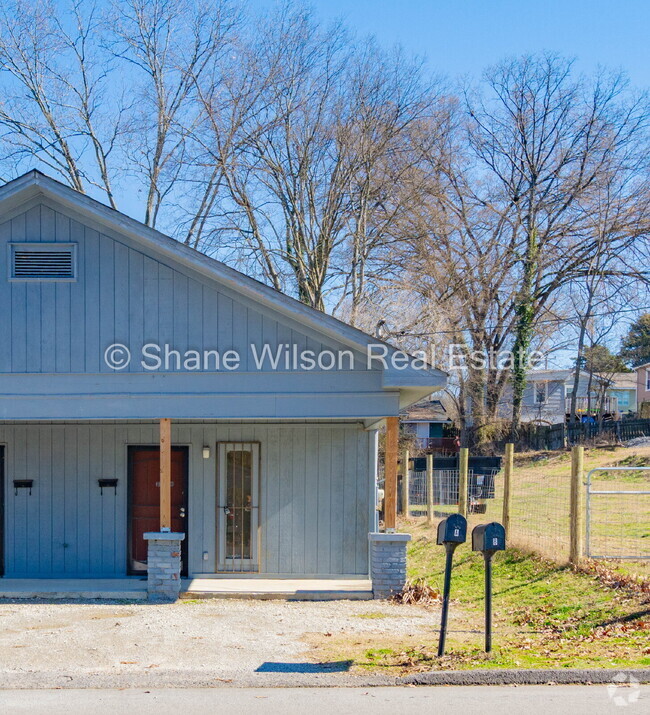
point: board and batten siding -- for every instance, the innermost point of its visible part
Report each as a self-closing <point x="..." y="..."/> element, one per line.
<point x="121" y="294"/>
<point x="316" y="496"/>
<point x="58" y="333"/>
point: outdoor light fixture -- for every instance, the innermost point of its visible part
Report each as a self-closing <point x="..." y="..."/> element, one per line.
<point x="23" y="484"/>
<point x="206" y="452"/>
<point x="107" y="484"/>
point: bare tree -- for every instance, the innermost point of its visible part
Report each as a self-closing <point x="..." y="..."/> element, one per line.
<point x="171" y="43"/>
<point x="51" y="105"/>
<point x="544" y="138"/>
<point x="303" y="149"/>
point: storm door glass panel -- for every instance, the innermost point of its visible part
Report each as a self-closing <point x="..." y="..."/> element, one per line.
<point x="238" y="508"/>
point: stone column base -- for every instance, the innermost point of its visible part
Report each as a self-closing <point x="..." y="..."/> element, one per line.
<point x="388" y="563"/>
<point x="164" y="565"/>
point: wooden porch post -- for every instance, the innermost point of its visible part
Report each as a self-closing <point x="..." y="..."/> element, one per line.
<point x="165" y="474"/>
<point x="390" y="473"/>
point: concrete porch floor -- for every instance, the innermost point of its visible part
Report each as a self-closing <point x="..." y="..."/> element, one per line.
<point x="131" y="589"/>
<point x="312" y="589"/>
<point x="135" y="589"/>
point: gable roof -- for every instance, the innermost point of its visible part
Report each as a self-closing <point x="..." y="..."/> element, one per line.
<point x="643" y="364"/>
<point x="425" y="411"/>
<point x="412" y="382"/>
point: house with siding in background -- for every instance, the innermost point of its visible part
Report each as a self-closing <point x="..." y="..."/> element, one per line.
<point x="624" y="388"/>
<point x="642" y="373"/>
<point x="547" y="397"/>
<point x="429" y="426"/>
<point x="160" y="416"/>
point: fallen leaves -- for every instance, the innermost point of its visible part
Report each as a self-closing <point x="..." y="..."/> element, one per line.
<point x="417" y="592"/>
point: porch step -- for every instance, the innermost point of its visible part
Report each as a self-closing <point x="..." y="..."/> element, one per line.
<point x="73" y="588"/>
<point x="278" y="589"/>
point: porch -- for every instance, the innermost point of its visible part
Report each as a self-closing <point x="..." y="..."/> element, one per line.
<point x="590" y="406"/>
<point x="135" y="589"/>
<point x="79" y="499"/>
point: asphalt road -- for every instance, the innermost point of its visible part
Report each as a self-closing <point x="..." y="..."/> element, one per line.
<point x="531" y="699"/>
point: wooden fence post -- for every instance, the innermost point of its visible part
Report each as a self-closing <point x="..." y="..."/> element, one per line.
<point x="507" y="485"/>
<point x="390" y="473"/>
<point x="576" y="512"/>
<point x="405" y="482"/>
<point x="463" y="469"/>
<point x="430" y="489"/>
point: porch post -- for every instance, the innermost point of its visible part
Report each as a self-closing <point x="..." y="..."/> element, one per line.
<point x="165" y="474"/>
<point x="388" y="550"/>
<point x="164" y="546"/>
<point x="390" y="473"/>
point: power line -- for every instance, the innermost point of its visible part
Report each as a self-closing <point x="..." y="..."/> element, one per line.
<point x="404" y="333"/>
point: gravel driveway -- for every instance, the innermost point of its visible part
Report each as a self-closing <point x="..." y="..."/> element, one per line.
<point x="230" y="639"/>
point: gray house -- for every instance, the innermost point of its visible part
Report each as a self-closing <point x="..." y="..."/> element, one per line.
<point x="547" y="397"/>
<point x="162" y="412"/>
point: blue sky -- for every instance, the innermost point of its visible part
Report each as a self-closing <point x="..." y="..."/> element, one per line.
<point x="462" y="37"/>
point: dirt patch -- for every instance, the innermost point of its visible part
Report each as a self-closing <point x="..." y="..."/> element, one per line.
<point x="232" y="638"/>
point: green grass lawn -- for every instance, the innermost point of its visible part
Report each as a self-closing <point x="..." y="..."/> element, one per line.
<point x="545" y="616"/>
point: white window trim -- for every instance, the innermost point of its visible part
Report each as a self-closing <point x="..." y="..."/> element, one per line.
<point x="647" y="380"/>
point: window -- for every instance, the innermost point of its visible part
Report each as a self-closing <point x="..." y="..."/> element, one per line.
<point x="622" y="397"/>
<point x="43" y="261"/>
<point x="540" y="392"/>
<point x="647" y="379"/>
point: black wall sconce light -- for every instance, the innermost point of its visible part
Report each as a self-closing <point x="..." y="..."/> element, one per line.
<point x="23" y="484"/>
<point x="107" y="484"/>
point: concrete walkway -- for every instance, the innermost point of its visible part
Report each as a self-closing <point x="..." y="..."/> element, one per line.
<point x="135" y="589"/>
<point x="129" y="589"/>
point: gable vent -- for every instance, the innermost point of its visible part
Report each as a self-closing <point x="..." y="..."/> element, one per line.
<point x="43" y="262"/>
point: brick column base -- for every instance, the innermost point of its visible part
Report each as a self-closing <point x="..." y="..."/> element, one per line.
<point x="163" y="565"/>
<point x="388" y="563"/>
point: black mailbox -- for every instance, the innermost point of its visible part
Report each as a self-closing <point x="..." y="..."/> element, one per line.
<point x="452" y="530"/>
<point x="489" y="537"/>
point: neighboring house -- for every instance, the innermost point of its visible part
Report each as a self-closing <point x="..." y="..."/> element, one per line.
<point x="267" y="471"/>
<point x="547" y="397"/>
<point x="642" y="373"/>
<point x="624" y="389"/>
<point x="426" y="421"/>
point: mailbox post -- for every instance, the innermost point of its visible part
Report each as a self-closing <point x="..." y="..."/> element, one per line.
<point x="452" y="531"/>
<point x="488" y="538"/>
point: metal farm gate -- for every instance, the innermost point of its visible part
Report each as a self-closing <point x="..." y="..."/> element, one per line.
<point x="618" y="513"/>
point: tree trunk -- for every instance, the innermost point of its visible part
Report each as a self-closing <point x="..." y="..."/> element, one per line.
<point x="525" y="310"/>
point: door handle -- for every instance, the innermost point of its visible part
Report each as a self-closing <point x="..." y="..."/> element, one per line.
<point x="183" y="512"/>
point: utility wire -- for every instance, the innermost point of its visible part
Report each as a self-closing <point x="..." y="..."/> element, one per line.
<point x="404" y="333"/>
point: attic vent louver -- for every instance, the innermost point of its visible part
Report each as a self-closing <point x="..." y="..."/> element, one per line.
<point x="43" y="261"/>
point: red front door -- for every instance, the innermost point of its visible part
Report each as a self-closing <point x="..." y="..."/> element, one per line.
<point x="144" y="501"/>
